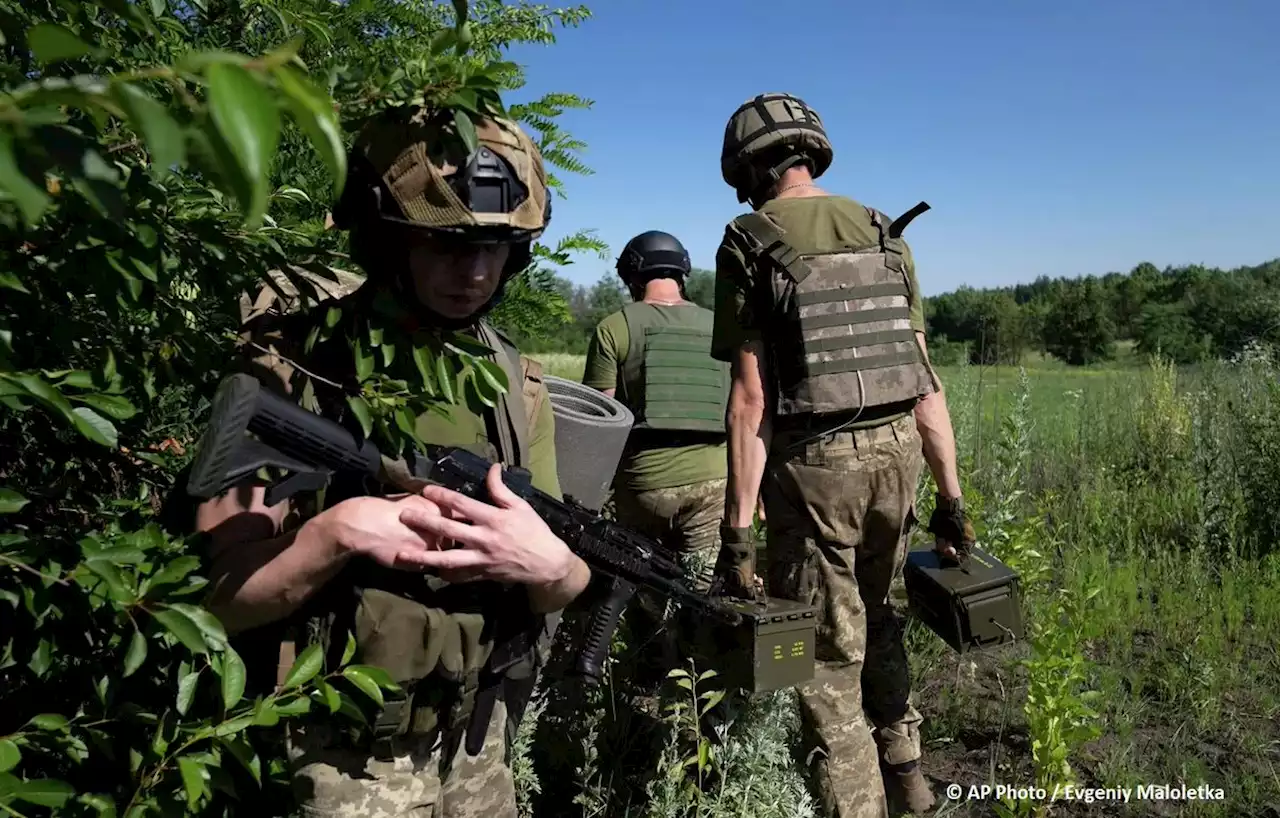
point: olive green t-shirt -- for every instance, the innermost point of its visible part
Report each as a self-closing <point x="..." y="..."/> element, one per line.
<point x="812" y="224"/>
<point x="646" y="466"/>
<point x="466" y="428"/>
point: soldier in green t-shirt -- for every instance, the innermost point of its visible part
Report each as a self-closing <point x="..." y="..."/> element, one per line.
<point x="654" y="357"/>
<point x="832" y="402"/>
<point x="454" y="598"/>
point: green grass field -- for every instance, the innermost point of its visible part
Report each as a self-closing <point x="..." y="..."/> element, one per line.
<point x="1141" y="506"/>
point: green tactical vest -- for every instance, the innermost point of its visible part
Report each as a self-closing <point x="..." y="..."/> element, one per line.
<point x="840" y="338"/>
<point x="452" y="649"/>
<point x="669" y="379"/>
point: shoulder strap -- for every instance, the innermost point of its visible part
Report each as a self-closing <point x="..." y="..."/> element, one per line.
<point x="513" y="427"/>
<point x="535" y="392"/>
<point x="767" y="241"/>
<point x="889" y="244"/>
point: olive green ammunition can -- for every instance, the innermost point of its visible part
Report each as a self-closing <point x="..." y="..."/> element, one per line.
<point x="770" y="649"/>
<point x="971" y="606"/>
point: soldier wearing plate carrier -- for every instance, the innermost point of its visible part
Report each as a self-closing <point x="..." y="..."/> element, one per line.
<point x="455" y="599"/>
<point x="832" y="401"/>
<point x="654" y="357"/>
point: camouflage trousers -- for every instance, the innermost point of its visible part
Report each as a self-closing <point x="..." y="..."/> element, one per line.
<point x="839" y="511"/>
<point x="685" y="519"/>
<point x="418" y="779"/>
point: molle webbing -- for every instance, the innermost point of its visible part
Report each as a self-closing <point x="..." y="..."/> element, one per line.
<point x="843" y="339"/>
<point x="684" y="387"/>
<point x="769" y="242"/>
<point x="668" y="378"/>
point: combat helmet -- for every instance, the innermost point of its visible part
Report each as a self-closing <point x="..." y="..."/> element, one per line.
<point x="653" y="254"/>
<point x="767" y="135"/>
<point x="411" y="174"/>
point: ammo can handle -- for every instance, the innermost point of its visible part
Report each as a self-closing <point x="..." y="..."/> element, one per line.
<point x="604" y="621"/>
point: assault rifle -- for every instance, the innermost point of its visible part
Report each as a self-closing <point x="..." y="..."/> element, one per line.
<point x="758" y="645"/>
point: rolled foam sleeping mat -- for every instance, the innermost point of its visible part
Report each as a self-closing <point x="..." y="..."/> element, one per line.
<point x="591" y="432"/>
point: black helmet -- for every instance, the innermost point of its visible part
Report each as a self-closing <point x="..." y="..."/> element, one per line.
<point x="651" y="255"/>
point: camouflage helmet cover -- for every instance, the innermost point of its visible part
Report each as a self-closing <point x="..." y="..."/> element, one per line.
<point x="497" y="193"/>
<point x="762" y="127"/>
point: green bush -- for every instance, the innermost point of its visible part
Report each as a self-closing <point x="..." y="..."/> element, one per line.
<point x="156" y="161"/>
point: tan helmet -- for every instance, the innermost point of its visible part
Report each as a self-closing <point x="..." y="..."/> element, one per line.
<point x="767" y="135"/>
<point x="419" y="174"/>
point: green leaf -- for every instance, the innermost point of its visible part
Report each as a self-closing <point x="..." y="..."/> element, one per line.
<point x="363" y="360"/>
<point x="11" y="502"/>
<point x="404" y="422"/>
<point x="163" y="136"/>
<point x="50" y="722"/>
<point x="249" y="123"/>
<point x="110" y="575"/>
<point x="329" y="695"/>
<point x="192" y="771"/>
<point x="173" y="573"/>
<point x="45" y="792"/>
<point x="244" y="753"/>
<point x="42" y="658"/>
<point x="305" y="666"/>
<point x="378" y="675"/>
<point x="313" y="112"/>
<point x="95" y="427"/>
<point x="10" y="281"/>
<point x="136" y="654"/>
<point x="32" y="200"/>
<point x="187" y="690"/>
<point x="233" y="678"/>
<point x="493" y="375"/>
<point x="366" y="685"/>
<point x="236" y="725"/>
<point x="444" y="376"/>
<point x="360" y="408"/>
<point x="466" y="130"/>
<point x="422" y="359"/>
<point x="158" y="7"/>
<point x="211" y="630"/>
<point x="182" y="628"/>
<point x="264" y="713"/>
<point x="350" y="649"/>
<point x="51" y="43"/>
<point x="10" y="755"/>
<point x="294" y="707"/>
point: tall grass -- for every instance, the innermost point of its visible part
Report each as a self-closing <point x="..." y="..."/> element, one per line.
<point x="1141" y="507"/>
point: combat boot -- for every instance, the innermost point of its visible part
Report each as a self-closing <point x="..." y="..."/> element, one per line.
<point x="906" y="789"/>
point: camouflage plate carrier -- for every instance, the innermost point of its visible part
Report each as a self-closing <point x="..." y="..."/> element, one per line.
<point x="681" y="387"/>
<point x="841" y="335"/>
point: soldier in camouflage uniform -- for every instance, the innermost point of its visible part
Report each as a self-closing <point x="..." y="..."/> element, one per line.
<point x="454" y="598"/>
<point x="654" y="356"/>
<point x="833" y="400"/>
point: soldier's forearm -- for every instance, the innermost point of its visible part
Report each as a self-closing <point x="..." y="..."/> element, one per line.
<point x="260" y="582"/>
<point x="749" y="432"/>
<point x="939" y="443"/>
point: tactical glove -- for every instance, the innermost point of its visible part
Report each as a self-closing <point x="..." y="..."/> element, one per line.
<point x="735" y="571"/>
<point x="950" y="526"/>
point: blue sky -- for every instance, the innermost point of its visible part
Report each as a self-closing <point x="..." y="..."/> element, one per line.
<point x="1054" y="138"/>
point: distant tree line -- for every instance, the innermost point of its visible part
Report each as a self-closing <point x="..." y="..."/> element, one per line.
<point x="1189" y="313"/>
